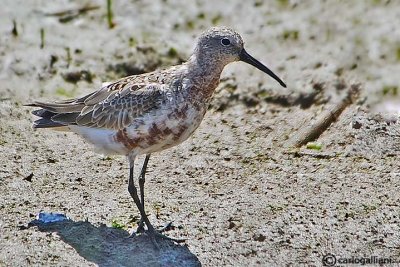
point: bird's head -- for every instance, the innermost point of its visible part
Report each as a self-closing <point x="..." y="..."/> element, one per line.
<point x="222" y="45"/>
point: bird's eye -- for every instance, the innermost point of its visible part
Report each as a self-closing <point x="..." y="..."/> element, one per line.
<point x="225" y="41"/>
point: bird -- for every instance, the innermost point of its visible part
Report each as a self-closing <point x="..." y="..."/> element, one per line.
<point x="147" y="113"/>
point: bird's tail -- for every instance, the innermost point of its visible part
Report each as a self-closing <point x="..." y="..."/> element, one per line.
<point x="45" y="118"/>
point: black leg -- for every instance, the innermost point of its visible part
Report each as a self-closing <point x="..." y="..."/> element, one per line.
<point x="142" y="180"/>
<point x="140" y="205"/>
<point x="133" y="192"/>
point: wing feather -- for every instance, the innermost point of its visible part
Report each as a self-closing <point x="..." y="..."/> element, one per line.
<point x="117" y="110"/>
<point x="114" y="106"/>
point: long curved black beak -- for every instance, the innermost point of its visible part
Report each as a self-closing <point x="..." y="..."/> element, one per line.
<point x="245" y="57"/>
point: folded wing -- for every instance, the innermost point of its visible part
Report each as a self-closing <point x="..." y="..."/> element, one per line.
<point x="113" y="107"/>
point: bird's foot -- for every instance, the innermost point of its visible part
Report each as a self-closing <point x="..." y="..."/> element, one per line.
<point x="168" y="226"/>
<point x="140" y="228"/>
<point x="154" y="235"/>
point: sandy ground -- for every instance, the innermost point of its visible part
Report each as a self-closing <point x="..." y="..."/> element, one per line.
<point x="234" y="190"/>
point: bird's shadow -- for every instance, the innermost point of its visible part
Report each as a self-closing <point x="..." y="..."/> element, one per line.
<point x="107" y="246"/>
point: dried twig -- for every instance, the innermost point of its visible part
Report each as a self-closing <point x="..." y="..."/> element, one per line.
<point x="70" y="14"/>
<point x="313" y="131"/>
<point x="317" y="155"/>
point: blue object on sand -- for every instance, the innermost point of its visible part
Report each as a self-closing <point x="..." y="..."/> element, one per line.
<point x="45" y="217"/>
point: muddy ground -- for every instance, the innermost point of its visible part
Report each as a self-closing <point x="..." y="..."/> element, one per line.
<point x="235" y="190"/>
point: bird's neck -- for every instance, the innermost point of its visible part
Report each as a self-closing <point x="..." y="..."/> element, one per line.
<point x="206" y="73"/>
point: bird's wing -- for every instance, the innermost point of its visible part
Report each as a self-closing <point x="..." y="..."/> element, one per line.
<point x="114" y="106"/>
